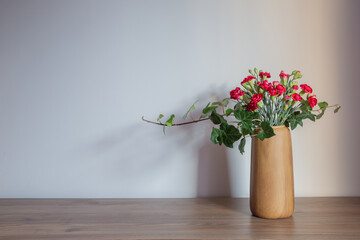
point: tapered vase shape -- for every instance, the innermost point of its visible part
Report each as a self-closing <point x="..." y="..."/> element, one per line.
<point x="272" y="179"/>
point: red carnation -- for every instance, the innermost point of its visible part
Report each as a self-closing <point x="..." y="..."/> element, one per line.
<point x="312" y="101"/>
<point x="236" y="93"/>
<point x="265" y="85"/>
<point x="287" y="97"/>
<point x="281" y="89"/>
<point x="257" y="97"/>
<point x="295" y="87"/>
<point x="264" y="74"/>
<point x="296" y="97"/>
<point x="273" y="91"/>
<point x="251" y="106"/>
<point x="306" y="88"/>
<point x="247" y="79"/>
<point x="284" y="75"/>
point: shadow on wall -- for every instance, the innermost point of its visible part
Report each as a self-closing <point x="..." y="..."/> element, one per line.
<point x="213" y="171"/>
<point x="153" y="162"/>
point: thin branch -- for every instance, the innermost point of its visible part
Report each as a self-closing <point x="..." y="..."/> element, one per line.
<point x="318" y="110"/>
<point x="175" y="124"/>
<point x="190" y="122"/>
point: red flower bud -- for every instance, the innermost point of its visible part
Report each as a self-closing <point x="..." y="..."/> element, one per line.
<point x="257" y="97"/>
<point x="281" y="89"/>
<point x="296" y="97"/>
<point x="284" y="75"/>
<point x="264" y="74"/>
<point x="312" y="101"/>
<point x="251" y="106"/>
<point x="236" y="93"/>
<point x="295" y="87"/>
<point x="306" y="88"/>
<point x="247" y="79"/>
<point x="273" y="91"/>
<point x="287" y="97"/>
<point x="265" y="85"/>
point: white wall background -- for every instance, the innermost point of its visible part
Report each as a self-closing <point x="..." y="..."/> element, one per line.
<point x="76" y="77"/>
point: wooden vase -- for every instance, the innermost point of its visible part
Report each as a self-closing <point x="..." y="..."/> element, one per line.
<point x="272" y="179"/>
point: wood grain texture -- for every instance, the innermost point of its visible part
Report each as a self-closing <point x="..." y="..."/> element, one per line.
<point x="201" y="218"/>
<point x="271" y="180"/>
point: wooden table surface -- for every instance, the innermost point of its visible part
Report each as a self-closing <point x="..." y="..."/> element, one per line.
<point x="199" y="218"/>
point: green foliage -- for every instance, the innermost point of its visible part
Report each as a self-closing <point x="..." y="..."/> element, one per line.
<point x="216" y="118"/>
<point x="266" y="132"/>
<point x="192" y="108"/>
<point x="237" y="106"/>
<point x="208" y="109"/>
<point x="160" y="117"/>
<point x="297" y="118"/>
<point x="216" y="136"/>
<point x="246" y="120"/>
<point x="337" y="109"/>
<point x="242" y="145"/>
<point x="305" y="106"/>
<point x="227" y="134"/>
<point x="228" y="112"/>
<point x="323" y="105"/>
<point x="223" y="103"/>
<point x="231" y="135"/>
<point x="169" y="122"/>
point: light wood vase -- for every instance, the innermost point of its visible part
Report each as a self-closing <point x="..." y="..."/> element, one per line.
<point x="272" y="179"/>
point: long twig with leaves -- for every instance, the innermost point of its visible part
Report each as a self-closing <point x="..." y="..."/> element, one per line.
<point x="257" y="105"/>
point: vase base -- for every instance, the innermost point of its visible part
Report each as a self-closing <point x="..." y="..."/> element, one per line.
<point x="271" y="217"/>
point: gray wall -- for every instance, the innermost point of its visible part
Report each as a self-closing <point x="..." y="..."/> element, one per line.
<point x="76" y="77"/>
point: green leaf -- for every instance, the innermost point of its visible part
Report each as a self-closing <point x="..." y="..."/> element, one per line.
<point x="190" y="109"/>
<point x="216" y="118"/>
<point x="305" y="106"/>
<point x="261" y="135"/>
<point x="242" y="115"/>
<point x="300" y="122"/>
<point x="233" y="133"/>
<point x="230" y="134"/>
<point x="242" y="145"/>
<point x="208" y="109"/>
<point x="237" y="106"/>
<point x="337" y="109"/>
<point x="245" y="131"/>
<point x="293" y="122"/>
<point x="216" y="103"/>
<point x="246" y="119"/>
<point x="160" y="117"/>
<point x="169" y="122"/>
<point x="228" y="111"/>
<point x="306" y="115"/>
<point x="225" y="102"/>
<point x="267" y="131"/>
<point x="216" y="136"/>
<point x="311" y="116"/>
<point x="320" y="114"/>
<point x="323" y="105"/>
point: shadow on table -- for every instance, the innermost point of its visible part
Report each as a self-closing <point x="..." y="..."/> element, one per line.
<point x="214" y="178"/>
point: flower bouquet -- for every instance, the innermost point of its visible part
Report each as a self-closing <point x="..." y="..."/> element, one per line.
<point x="257" y="105"/>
